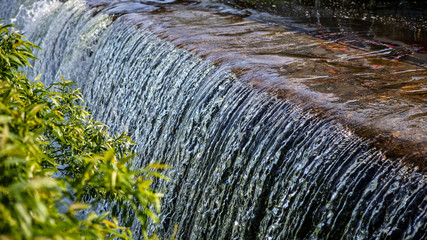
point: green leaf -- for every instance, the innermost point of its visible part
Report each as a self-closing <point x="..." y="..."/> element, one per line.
<point x="5" y="119"/>
<point x="77" y="206"/>
<point x="36" y="108"/>
<point x="37" y="77"/>
<point x="145" y="184"/>
<point x="100" y="218"/>
<point x="109" y="155"/>
<point x="152" y="215"/>
<point x="16" y="60"/>
<point x="157" y="166"/>
<point x="58" y="133"/>
<point x="14" y="161"/>
<point x="44" y="182"/>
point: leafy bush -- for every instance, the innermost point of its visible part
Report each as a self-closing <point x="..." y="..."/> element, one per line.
<point x="56" y="161"/>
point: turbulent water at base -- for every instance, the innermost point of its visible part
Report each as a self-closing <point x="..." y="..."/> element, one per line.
<point x="246" y="165"/>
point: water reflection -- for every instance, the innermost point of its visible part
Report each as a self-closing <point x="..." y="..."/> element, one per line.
<point x="394" y="22"/>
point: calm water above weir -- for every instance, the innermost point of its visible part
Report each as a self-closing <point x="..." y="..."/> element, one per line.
<point x="271" y="130"/>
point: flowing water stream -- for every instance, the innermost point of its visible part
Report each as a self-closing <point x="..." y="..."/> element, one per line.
<point x="272" y="134"/>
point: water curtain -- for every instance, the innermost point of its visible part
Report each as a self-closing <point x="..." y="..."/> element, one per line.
<point x="246" y="165"/>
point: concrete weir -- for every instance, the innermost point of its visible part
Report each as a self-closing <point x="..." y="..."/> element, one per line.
<point x="272" y="134"/>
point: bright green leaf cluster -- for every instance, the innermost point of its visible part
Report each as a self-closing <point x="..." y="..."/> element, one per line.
<point x="15" y="50"/>
<point x="55" y="161"/>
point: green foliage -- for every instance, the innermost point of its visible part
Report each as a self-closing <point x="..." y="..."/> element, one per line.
<point x="55" y="161"/>
<point x="15" y="50"/>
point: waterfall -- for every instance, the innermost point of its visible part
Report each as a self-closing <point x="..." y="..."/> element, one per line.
<point x="246" y="164"/>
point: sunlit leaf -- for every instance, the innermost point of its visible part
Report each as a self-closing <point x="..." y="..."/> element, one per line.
<point x="77" y="206"/>
<point x="157" y="166"/>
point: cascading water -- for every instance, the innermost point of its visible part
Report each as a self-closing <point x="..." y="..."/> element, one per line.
<point x="246" y="164"/>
